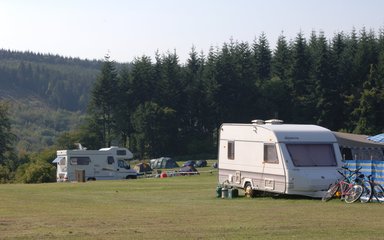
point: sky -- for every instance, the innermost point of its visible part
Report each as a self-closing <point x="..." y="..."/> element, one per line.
<point x="127" y="29"/>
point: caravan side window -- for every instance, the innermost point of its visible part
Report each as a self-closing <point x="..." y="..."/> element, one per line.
<point x="270" y="154"/>
<point x="110" y="160"/>
<point x="121" y="152"/>
<point x="80" y="160"/>
<point x="231" y="150"/>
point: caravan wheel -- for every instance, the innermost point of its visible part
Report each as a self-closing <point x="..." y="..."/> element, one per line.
<point x="249" y="191"/>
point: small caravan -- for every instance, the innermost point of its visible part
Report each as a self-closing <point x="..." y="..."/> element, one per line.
<point x="269" y="156"/>
<point x="104" y="164"/>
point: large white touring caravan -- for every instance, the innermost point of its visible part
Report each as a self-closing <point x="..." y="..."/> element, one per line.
<point x="280" y="158"/>
<point x="104" y="164"/>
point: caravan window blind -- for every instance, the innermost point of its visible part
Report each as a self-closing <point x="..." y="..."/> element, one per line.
<point x="312" y="155"/>
<point x="80" y="160"/>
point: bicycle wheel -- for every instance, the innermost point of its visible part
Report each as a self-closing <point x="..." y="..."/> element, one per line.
<point x="378" y="193"/>
<point x="330" y="192"/>
<point x="353" y="193"/>
<point x="367" y="192"/>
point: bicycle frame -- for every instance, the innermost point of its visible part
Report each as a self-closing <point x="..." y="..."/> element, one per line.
<point x="350" y="191"/>
<point x="345" y="187"/>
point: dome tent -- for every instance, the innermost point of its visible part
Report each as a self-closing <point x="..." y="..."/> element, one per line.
<point x="142" y="168"/>
<point x="163" y="162"/>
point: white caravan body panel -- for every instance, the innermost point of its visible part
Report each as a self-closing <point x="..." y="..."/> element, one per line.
<point x="278" y="158"/>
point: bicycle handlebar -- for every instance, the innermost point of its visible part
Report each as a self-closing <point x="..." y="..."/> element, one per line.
<point x="342" y="174"/>
<point x="357" y="170"/>
<point x="351" y="173"/>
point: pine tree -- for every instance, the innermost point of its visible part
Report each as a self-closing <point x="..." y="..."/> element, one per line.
<point x="364" y="62"/>
<point x="6" y="136"/>
<point x="195" y="127"/>
<point x="302" y="87"/>
<point x="325" y="89"/>
<point x="104" y="100"/>
<point x="263" y="58"/>
<point x="281" y="60"/>
<point x="124" y="107"/>
<point x="169" y="82"/>
<point x="153" y="127"/>
<point x="211" y="87"/>
<point x="194" y="95"/>
<point x="370" y="111"/>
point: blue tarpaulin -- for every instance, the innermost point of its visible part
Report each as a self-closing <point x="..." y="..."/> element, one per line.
<point x="377" y="138"/>
<point x="368" y="167"/>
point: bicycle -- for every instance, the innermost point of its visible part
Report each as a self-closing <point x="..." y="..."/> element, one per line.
<point x="366" y="183"/>
<point x="377" y="190"/>
<point x="349" y="190"/>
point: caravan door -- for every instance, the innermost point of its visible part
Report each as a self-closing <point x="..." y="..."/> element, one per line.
<point x="273" y="169"/>
<point x="80" y="163"/>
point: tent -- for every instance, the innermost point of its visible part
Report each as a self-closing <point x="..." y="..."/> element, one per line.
<point x="368" y="167"/>
<point x="188" y="170"/>
<point x="377" y="138"/>
<point x="357" y="140"/>
<point x="142" y="168"/>
<point x="359" y="147"/>
<point x="201" y="163"/>
<point x="163" y="162"/>
<point x="189" y="163"/>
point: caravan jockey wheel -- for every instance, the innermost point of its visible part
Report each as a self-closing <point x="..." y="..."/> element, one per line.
<point x="249" y="191"/>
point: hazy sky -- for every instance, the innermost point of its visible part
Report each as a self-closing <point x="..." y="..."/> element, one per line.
<point x="126" y="28"/>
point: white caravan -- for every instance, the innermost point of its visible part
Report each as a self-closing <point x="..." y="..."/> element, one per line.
<point x="280" y="158"/>
<point x="104" y="164"/>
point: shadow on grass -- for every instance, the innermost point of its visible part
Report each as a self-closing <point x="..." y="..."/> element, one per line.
<point x="268" y="195"/>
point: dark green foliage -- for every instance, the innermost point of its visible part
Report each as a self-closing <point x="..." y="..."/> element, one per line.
<point x="38" y="168"/>
<point x="62" y="82"/>
<point x="303" y="87"/>
<point x="104" y="101"/>
<point x="168" y="109"/>
<point x="164" y="108"/>
<point x="154" y="130"/>
<point x="36" y="172"/>
<point x="6" y="137"/>
<point x="263" y="58"/>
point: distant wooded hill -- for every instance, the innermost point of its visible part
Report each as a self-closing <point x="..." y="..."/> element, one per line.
<point x="62" y="83"/>
<point x="47" y="94"/>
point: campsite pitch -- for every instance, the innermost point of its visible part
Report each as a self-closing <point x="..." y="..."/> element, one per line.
<point x="174" y="208"/>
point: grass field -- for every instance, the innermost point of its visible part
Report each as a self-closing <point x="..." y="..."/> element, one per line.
<point x="174" y="208"/>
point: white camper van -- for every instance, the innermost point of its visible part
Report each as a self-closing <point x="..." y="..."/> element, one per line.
<point x="280" y="158"/>
<point x="104" y="164"/>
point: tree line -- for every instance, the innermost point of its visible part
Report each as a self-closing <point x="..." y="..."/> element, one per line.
<point x="162" y="107"/>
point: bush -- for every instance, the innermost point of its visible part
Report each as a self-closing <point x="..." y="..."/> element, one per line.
<point x="6" y="174"/>
<point x="36" y="172"/>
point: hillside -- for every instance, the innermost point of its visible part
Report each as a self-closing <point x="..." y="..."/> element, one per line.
<point x="60" y="82"/>
<point x="46" y="94"/>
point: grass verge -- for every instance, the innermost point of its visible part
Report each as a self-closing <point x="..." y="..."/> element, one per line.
<point x="174" y="208"/>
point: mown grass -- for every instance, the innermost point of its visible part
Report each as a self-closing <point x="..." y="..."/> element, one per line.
<point x="174" y="208"/>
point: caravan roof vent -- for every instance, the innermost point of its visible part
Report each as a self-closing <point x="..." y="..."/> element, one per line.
<point x="274" y="121"/>
<point x="258" y="121"/>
